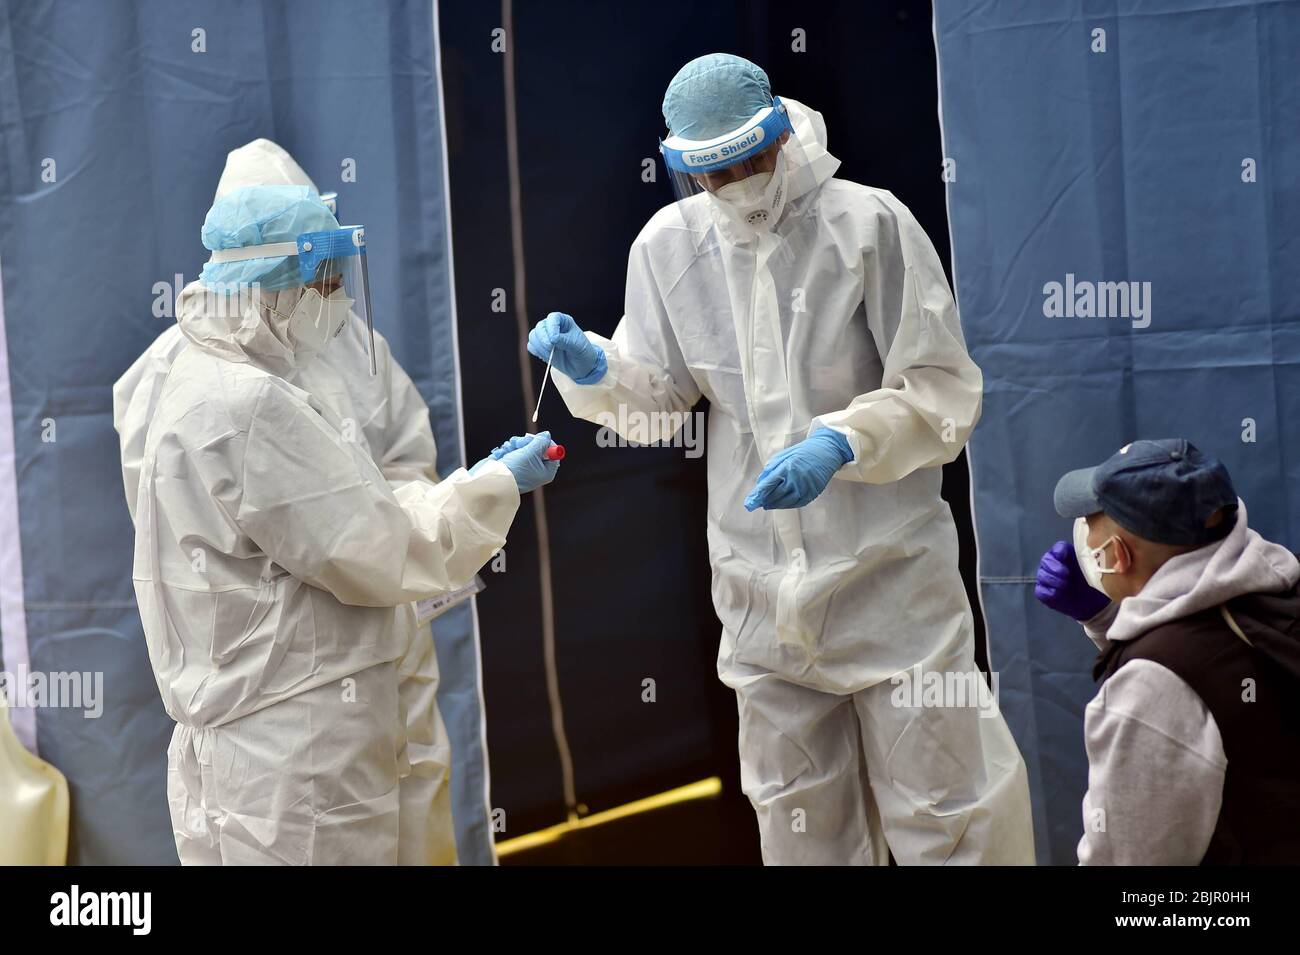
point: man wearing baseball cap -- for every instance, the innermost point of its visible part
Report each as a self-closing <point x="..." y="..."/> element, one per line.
<point x="1192" y="737"/>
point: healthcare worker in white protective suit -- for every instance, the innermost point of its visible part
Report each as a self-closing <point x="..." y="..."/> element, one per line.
<point x="815" y="316"/>
<point x="287" y="513"/>
<point x="394" y="425"/>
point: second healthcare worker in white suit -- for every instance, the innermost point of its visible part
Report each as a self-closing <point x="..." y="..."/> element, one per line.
<point x="814" y="315"/>
<point x="287" y="513"/>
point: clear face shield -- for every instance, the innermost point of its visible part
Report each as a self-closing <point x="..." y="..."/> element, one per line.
<point x="336" y="285"/>
<point x="331" y="265"/>
<point x="745" y="172"/>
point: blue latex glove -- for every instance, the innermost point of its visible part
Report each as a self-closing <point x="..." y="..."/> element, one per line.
<point x="1062" y="586"/>
<point x="575" y="355"/>
<point x="523" y="456"/>
<point x="794" y="477"/>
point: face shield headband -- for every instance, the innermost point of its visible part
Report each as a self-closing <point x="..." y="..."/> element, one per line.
<point x="691" y="156"/>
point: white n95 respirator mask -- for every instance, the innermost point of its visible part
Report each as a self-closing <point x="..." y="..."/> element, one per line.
<point x="316" y="320"/>
<point x="756" y="200"/>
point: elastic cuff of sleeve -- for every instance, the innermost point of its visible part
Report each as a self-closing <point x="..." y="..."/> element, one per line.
<point x="596" y="373"/>
<point x="852" y="438"/>
<point x="824" y="432"/>
<point x="846" y="449"/>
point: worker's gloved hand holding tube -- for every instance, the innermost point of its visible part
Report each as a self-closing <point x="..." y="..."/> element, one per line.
<point x="574" y="354"/>
<point x="1062" y="586"/>
<point x="794" y="477"/>
<point x="525" y="456"/>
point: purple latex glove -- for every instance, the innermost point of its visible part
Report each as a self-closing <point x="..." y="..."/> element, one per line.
<point x="1062" y="586"/>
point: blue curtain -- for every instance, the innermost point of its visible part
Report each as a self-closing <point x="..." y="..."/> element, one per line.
<point x="115" y="120"/>
<point x="1151" y="143"/>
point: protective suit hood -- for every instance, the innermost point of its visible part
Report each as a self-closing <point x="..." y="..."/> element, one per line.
<point x="260" y="163"/>
<point x="236" y="328"/>
<point x="816" y="165"/>
<point x="239" y="329"/>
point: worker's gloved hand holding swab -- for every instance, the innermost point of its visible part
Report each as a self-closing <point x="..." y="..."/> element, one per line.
<point x="557" y="338"/>
<point x="533" y="459"/>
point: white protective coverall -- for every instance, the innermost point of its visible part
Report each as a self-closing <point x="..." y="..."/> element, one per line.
<point x="394" y="425"/>
<point x="275" y="564"/>
<point x="840" y="316"/>
<point x="286" y="517"/>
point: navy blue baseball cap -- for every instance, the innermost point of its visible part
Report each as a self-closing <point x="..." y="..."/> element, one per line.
<point x="1164" y="491"/>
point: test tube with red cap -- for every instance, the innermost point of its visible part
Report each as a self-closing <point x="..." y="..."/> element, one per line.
<point x="554" y="453"/>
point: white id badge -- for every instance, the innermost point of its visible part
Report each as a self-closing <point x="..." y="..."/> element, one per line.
<point x="431" y="607"/>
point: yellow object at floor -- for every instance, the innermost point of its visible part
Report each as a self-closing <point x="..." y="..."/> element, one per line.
<point x="33" y="804"/>
<point x="704" y="789"/>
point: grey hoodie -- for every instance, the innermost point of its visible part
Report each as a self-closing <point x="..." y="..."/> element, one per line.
<point x="1156" y="763"/>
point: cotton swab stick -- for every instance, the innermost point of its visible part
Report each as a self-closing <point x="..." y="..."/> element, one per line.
<point x="545" y="379"/>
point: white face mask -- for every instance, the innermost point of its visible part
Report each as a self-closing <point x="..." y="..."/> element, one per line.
<point x="756" y="200"/>
<point x="315" y="320"/>
<point x="745" y="191"/>
<point x="1090" y="557"/>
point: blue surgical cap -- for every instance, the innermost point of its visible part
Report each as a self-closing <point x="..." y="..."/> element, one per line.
<point x="257" y="215"/>
<point x="714" y="94"/>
